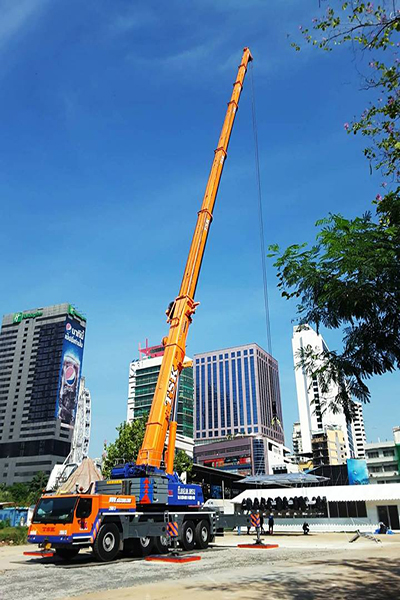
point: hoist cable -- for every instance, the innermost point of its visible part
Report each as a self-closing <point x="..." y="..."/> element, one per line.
<point x="260" y="214"/>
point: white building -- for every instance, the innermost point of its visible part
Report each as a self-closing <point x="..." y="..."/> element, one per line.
<point x="348" y="507"/>
<point x="296" y="439"/>
<point x="314" y="406"/>
<point x="383" y="460"/>
<point x="359" y="437"/>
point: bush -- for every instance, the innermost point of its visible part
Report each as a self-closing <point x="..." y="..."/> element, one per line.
<point x="14" y="535"/>
<point x="5" y="523"/>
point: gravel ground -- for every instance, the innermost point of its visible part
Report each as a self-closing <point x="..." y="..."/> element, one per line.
<point x="294" y="570"/>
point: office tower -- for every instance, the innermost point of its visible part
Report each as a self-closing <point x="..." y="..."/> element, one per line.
<point x="237" y="393"/>
<point x="143" y="375"/>
<point x="314" y="405"/>
<point x="41" y="353"/>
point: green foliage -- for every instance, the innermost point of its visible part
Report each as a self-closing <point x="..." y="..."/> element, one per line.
<point x="36" y="487"/>
<point x="19" y="493"/>
<point x="14" y="535"/>
<point x="126" y="446"/>
<point x="349" y="279"/>
<point x="24" y="494"/>
<point x="4" y="523"/>
<point x="372" y="29"/>
<point x="182" y="462"/>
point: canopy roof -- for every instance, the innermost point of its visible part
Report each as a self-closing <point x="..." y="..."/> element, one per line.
<point x="284" y="479"/>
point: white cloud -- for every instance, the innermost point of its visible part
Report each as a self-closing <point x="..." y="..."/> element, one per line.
<point x="131" y="21"/>
<point x="16" y="15"/>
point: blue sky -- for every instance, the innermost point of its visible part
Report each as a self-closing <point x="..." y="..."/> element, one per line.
<point x="110" y="113"/>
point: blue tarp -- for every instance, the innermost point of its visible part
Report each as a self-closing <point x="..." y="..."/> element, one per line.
<point x="15" y="516"/>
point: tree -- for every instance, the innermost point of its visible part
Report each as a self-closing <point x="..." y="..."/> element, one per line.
<point x="36" y="487"/>
<point x="19" y="493"/>
<point x="126" y="446"/>
<point x="182" y="462"/>
<point x="349" y="279"/>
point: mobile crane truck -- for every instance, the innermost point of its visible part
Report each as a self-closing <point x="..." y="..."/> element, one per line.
<point x="132" y="509"/>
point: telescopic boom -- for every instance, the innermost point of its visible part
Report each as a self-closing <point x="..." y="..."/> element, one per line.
<point x="181" y="311"/>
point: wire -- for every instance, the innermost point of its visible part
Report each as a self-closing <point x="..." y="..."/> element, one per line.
<point x="260" y="215"/>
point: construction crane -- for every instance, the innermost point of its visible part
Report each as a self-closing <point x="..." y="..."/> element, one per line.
<point x="145" y="504"/>
<point x="181" y="310"/>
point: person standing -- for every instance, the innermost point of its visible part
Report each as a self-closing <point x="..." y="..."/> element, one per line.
<point x="271" y="524"/>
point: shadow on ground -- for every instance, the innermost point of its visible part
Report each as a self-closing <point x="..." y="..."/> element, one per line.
<point x="369" y="579"/>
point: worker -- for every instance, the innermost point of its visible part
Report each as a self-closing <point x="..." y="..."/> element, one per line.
<point x="306" y="528"/>
<point x="271" y="524"/>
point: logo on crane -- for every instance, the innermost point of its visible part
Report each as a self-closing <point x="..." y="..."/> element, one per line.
<point x="171" y="386"/>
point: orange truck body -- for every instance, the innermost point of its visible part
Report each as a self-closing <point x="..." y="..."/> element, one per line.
<point x="80" y="530"/>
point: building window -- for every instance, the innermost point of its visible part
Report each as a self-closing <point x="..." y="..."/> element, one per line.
<point x="209" y="395"/>
<point x="235" y="397"/>
<point x="222" y="393"/>
<point x="373" y="454"/>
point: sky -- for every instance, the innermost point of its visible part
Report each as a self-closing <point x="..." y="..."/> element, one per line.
<point x="110" y="112"/>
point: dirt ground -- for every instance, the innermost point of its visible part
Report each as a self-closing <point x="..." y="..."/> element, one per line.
<point x="320" y="566"/>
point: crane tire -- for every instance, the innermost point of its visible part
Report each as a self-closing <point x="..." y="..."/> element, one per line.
<point x="144" y="546"/>
<point x="202" y="534"/>
<point x="107" y="543"/>
<point x="161" y="544"/>
<point x="187" y="539"/>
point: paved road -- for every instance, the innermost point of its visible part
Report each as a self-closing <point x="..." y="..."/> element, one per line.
<point x="301" y="568"/>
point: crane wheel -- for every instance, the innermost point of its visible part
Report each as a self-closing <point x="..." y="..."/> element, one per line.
<point x="107" y="542"/>
<point x="202" y="534"/>
<point x="161" y="544"/>
<point x="143" y="546"/>
<point x="187" y="539"/>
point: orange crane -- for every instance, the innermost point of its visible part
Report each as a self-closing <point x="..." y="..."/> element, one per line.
<point x="181" y="310"/>
<point x="135" y="507"/>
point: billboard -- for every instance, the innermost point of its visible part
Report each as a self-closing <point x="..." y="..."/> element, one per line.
<point x="70" y="371"/>
<point x="357" y="471"/>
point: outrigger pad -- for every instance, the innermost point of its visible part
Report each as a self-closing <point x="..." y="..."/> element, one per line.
<point x="172" y="559"/>
<point x="39" y="554"/>
<point x="262" y="546"/>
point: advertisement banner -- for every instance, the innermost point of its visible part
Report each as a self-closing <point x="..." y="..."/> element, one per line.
<point x="70" y="371"/>
<point x="357" y="471"/>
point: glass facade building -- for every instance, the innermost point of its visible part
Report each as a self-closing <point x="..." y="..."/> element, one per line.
<point x="143" y="377"/>
<point x="237" y="393"/>
<point x="33" y="363"/>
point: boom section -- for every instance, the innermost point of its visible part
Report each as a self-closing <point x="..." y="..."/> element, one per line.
<point x="180" y="315"/>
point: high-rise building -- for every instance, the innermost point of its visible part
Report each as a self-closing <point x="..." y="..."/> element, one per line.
<point x="41" y="352"/>
<point x="314" y="405"/>
<point x="237" y="393"/>
<point x="143" y="375"/>
<point x="296" y="439"/>
<point x="358" y="429"/>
